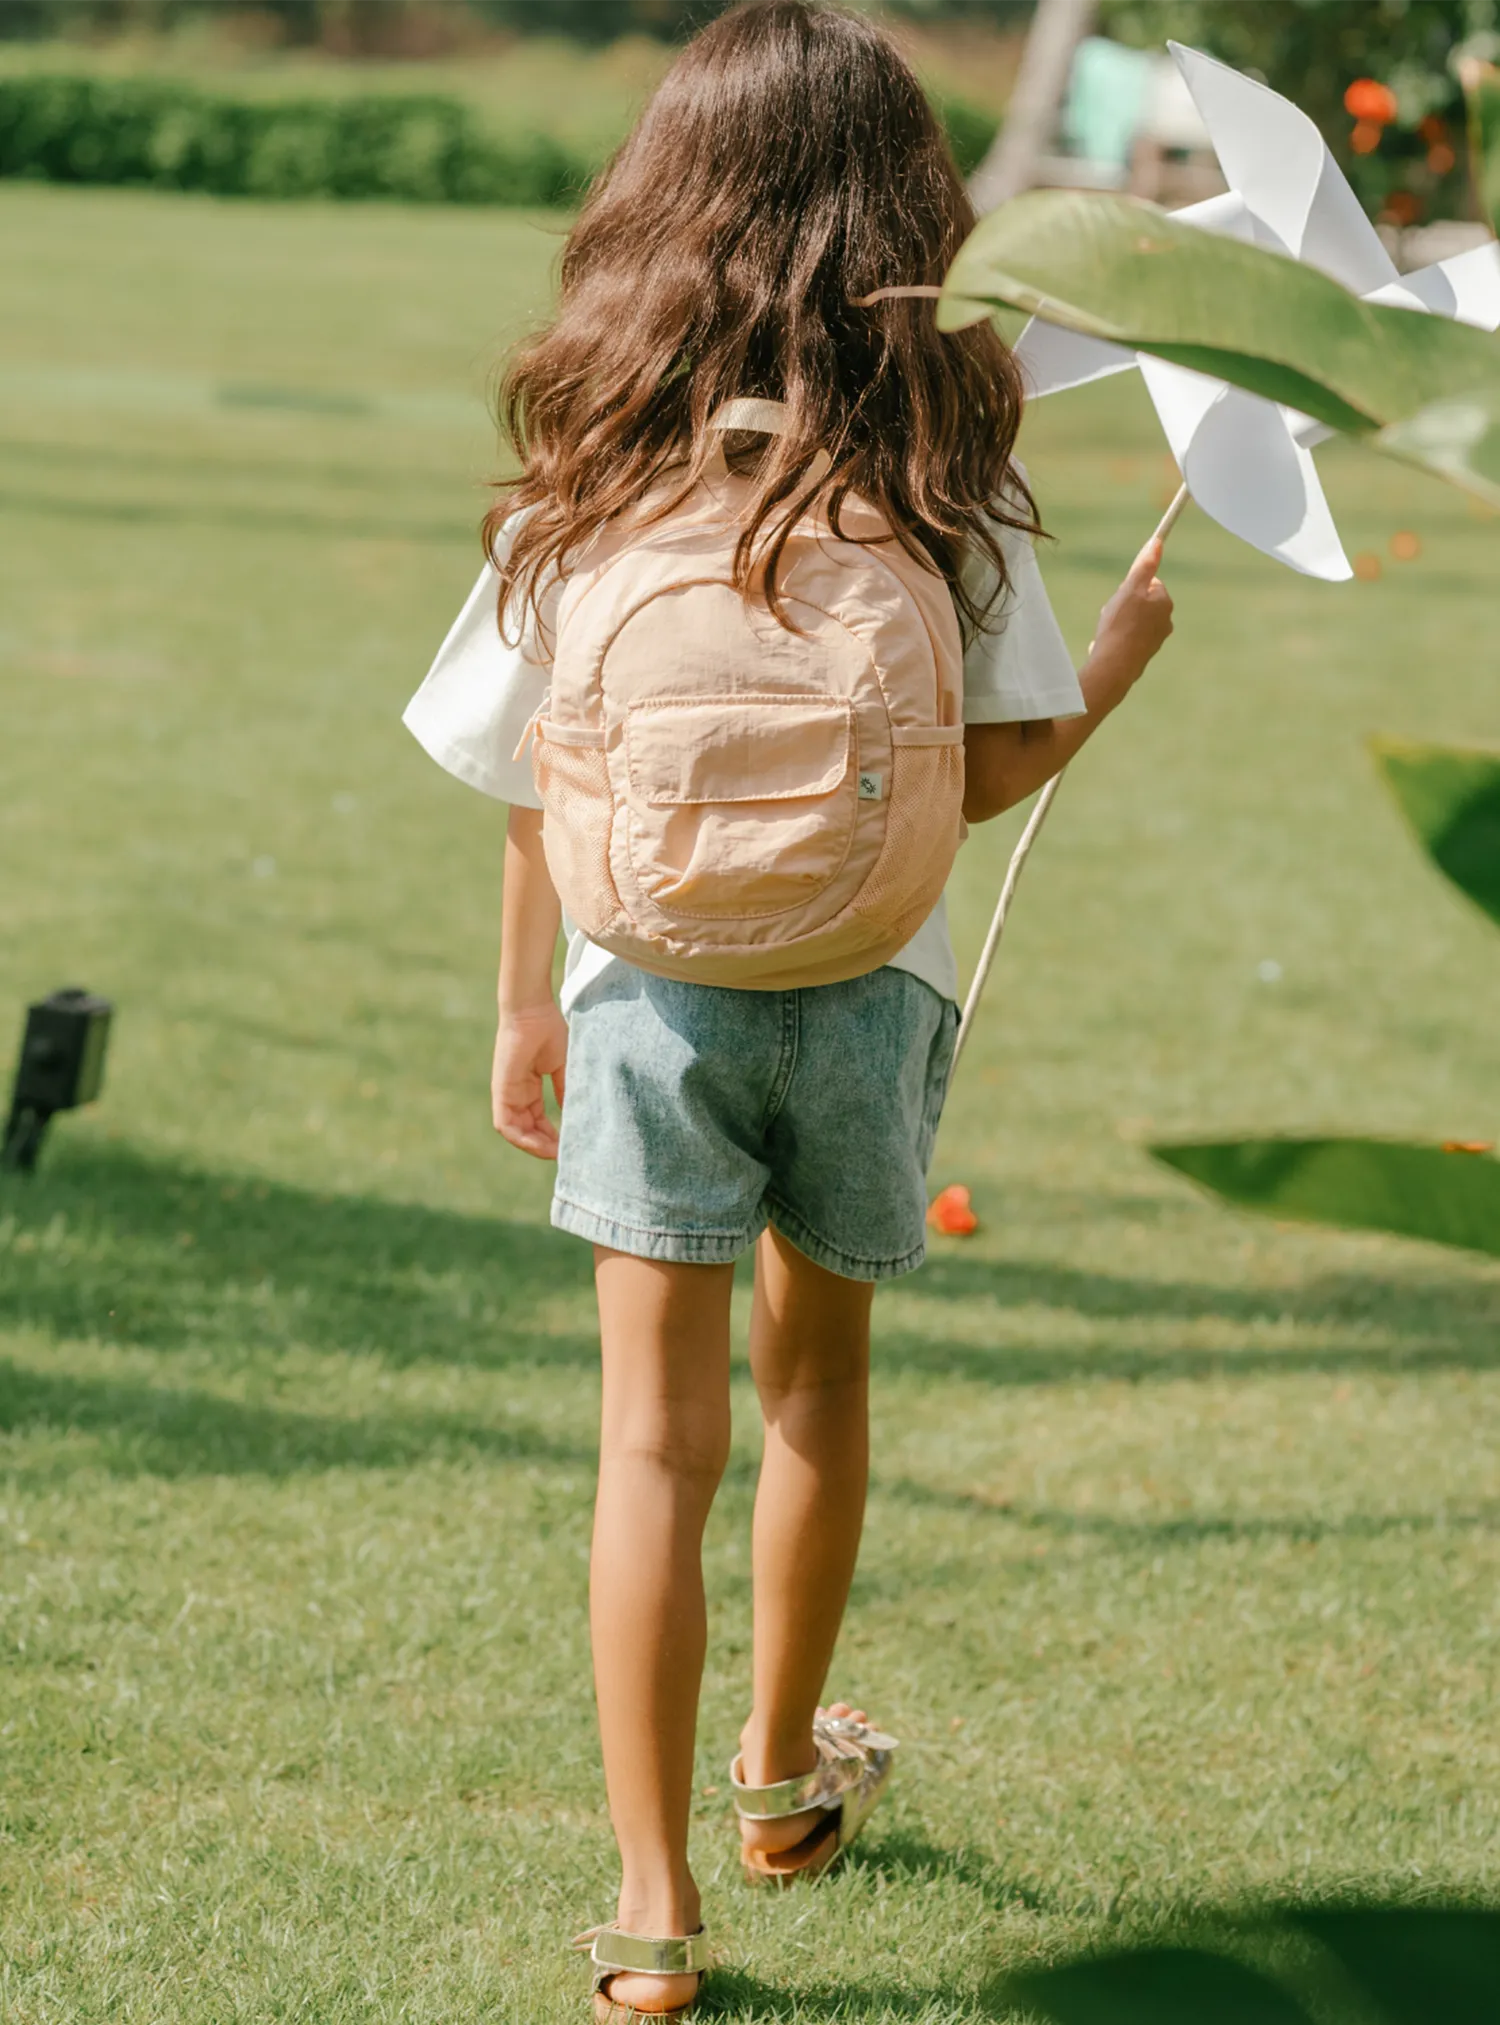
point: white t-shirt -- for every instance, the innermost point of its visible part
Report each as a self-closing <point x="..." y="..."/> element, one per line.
<point x="481" y="693"/>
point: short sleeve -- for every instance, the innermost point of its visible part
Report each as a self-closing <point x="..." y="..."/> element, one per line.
<point x="481" y="692"/>
<point x="1019" y="666"/>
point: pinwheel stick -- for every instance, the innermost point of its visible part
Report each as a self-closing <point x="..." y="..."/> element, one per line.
<point x="1022" y="852"/>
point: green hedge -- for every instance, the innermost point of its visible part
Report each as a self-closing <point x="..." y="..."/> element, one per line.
<point x="172" y="137"/>
<point x="970" y="130"/>
<point x="169" y="136"/>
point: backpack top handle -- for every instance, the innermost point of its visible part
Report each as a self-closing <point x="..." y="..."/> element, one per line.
<point x="764" y="418"/>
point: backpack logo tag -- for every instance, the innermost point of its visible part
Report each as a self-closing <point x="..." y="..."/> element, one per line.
<point x="871" y="787"/>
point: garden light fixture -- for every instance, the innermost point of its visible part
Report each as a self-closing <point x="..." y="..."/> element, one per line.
<point x="61" y="1066"/>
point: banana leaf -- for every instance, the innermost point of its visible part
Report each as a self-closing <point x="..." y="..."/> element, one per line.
<point x="1451" y="798"/>
<point x="1116" y="268"/>
<point x="1482" y="90"/>
<point x="1449" y="1195"/>
<point x="1455" y="439"/>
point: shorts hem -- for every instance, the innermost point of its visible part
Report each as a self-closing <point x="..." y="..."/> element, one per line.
<point x="676" y="1247"/>
<point x="833" y="1259"/>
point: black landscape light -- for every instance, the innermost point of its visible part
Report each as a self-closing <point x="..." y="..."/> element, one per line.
<point x="61" y="1066"/>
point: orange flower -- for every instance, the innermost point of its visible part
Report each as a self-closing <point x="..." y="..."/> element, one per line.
<point x="950" y="1212"/>
<point x="1406" y="546"/>
<point x="1366" y="137"/>
<point x="1402" y="207"/>
<point x="1367" y="100"/>
<point x="1440" y="158"/>
<point x="1468" y="1145"/>
<point x="1434" y="130"/>
<point x="1367" y="567"/>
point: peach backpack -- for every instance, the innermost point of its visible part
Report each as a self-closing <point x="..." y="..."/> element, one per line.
<point x="732" y="802"/>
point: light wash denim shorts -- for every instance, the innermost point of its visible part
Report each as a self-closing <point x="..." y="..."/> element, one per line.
<point x="696" y="1115"/>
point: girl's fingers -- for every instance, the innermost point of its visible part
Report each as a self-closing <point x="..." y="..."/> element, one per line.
<point x="1147" y="563"/>
<point x="521" y="1118"/>
<point x="534" y="1135"/>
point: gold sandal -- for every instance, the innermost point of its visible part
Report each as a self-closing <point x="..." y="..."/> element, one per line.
<point x="854" y="1766"/>
<point x="614" y="1953"/>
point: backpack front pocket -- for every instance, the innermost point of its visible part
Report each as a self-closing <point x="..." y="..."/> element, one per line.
<point x="740" y="806"/>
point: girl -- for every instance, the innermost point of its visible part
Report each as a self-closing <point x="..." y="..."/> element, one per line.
<point x="787" y="169"/>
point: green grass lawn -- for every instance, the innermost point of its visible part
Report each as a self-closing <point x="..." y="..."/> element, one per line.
<point x="1181" y="1573"/>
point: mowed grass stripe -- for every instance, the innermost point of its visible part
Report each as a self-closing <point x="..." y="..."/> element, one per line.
<point x="187" y="394"/>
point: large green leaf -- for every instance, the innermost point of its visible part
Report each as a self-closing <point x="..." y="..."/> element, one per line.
<point x="1156" y="1986"/>
<point x="1482" y="89"/>
<point x="1116" y="268"/>
<point x="1457" y="439"/>
<point x="1449" y="1196"/>
<point x="1424" y="1965"/>
<point x="1451" y="798"/>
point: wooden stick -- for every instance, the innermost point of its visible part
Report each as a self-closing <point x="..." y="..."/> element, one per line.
<point x="1022" y="852"/>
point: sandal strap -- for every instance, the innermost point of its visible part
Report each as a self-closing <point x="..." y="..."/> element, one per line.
<point x="615" y="1952"/>
<point x="844" y="1750"/>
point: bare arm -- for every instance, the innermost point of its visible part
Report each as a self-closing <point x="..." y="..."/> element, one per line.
<point x="531" y="1042"/>
<point x="1004" y="763"/>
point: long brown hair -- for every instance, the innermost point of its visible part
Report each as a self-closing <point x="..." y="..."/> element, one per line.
<point x="787" y="165"/>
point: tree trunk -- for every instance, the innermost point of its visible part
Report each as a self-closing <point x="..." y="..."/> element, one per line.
<point x="1057" y="28"/>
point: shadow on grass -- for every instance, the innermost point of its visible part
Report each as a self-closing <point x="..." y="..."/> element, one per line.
<point x="176" y="1431"/>
<point x="106" y="1244"/>
<point x="905" y="1858"/>
<point x="1187" y="1529"/>
<point x="1427" y="1319"/>
<point x="731" y="1993"/>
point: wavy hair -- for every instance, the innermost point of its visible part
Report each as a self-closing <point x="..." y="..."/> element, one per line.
<point x="787" y="165"/>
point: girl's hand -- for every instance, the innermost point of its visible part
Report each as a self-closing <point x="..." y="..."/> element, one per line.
<point x="531" y="1048"/>
<point x="1137" y="621"/>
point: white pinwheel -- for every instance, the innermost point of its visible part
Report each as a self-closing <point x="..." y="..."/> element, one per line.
<point x="1247" y="462"/>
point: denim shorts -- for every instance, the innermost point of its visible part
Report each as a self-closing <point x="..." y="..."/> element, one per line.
<point x="696" y="1115"/>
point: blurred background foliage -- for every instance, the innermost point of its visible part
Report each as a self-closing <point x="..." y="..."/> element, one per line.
<point x="1319" y="44"/>
<point x="1379" y="76"/>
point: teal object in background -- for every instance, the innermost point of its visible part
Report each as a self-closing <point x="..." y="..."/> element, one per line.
<point x="1106" y="102"/>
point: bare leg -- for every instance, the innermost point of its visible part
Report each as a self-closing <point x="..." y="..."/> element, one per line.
<point x="810" y="1355"/>
<point x="664" y="1444"/>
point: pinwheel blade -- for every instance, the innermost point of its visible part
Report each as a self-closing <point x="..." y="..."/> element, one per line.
<point x="1247" y="461"/>
<point x="1055" y="360"/>
<point x="1258" y="481"/>
<point x="1274" y="157"/>
<point x="1242" y="460"/>
<point x="1466" y="288"/>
